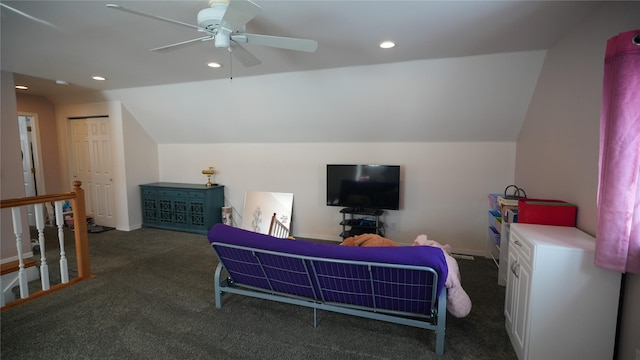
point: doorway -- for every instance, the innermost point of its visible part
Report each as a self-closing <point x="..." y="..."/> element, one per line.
<point x="91" y="163"/>
<point x="31" y="164"/>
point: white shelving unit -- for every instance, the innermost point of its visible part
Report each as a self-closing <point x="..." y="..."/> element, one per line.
<point x="498" y="233"/>
<point x="494" y="227"/>
<point x="361" y="221"/>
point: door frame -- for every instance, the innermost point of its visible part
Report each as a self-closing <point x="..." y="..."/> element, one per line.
<point x="32" y="151"/>
<point x="36" y="151"/>
<point x="70" y="157"/>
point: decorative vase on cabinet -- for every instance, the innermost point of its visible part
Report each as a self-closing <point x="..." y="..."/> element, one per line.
<point x="558" y="304"/>
<point x="182" y="207"/>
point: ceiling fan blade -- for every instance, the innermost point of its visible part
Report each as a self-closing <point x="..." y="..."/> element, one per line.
<point x="277" y="42"/>
<point x="30" y="17"/>
<point x="182" y="44"/>
<point x="171" y="21"/>
<point x="243" y="55"/>
<point x="238" y="13"/>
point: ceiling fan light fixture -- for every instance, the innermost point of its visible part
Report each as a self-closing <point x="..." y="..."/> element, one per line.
<point x="387" y="44"/>
<point x="210" y="18"/>
<point x="222" y="42"/>
<point x="223" y="38"/>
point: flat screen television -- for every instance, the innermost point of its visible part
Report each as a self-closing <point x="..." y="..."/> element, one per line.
<point x="364" y="186"/>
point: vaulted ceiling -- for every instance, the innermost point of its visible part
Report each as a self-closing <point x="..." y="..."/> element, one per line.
<point x="45" y="41"/>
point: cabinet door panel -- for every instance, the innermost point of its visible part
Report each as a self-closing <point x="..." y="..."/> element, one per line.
<point x="511" y="291"/>
<point x="521" y="314"/>
<point x="181" y="212"/>
<point x="197" y="217"/>
<point x="165" y="211"/>
<point x="149" y="210"/>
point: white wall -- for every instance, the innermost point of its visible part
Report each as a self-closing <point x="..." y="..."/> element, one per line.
<point x="134" y="157"/>
<point x="11" y="180"/>
<point x="141" y="167"/>
<point x="444" y="185"/>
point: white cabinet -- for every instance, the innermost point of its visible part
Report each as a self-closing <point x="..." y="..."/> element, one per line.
<point x="558" y="304"/>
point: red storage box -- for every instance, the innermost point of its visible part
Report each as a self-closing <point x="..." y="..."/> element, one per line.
<point x="546" y="212"/>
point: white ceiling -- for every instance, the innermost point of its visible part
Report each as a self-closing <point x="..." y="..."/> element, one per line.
<point x="86" y="38"/>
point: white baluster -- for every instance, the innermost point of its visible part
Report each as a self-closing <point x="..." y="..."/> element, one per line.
<point x="17" y="230"/>
<point x="64" y="272"/>
<point x="44" y="267"/>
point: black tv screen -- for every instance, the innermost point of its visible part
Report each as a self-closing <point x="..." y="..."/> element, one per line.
<point x="364" y="186"/>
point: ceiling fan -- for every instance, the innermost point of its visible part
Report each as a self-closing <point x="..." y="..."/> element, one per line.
<point x="30" y="17"/>
<point x="224" y="23"/>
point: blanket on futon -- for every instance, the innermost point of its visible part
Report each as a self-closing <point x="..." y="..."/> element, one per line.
<point x="458" y="301"/>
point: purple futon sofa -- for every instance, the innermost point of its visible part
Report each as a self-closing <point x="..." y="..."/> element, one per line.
<point x="403" y="285"/>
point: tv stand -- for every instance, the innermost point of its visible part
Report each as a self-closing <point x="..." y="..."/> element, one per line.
<point x="361" y="221"/>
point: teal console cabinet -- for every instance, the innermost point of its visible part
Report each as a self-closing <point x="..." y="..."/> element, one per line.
<point x="181" y="207"/>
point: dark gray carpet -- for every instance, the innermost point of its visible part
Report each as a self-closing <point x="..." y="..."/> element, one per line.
<point x="152" y="298"/>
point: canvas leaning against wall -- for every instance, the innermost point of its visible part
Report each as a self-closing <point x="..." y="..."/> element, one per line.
<point x="259" y="206"/>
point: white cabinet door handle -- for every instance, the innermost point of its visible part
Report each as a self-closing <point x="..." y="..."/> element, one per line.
<point x="513" y="269"/>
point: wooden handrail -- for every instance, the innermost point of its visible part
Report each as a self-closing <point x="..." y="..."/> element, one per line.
<point x="76" y="196"/>
<point x="80" y="225"/>
<point x="30" y="200"/>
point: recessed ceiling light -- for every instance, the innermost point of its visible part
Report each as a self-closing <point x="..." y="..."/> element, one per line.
<point x="214" y="65"/>
<point x="62" y="82"/>
<point x="22" y="87"/>
<point x="99" y="78"/>
<point x="387" y="44"/>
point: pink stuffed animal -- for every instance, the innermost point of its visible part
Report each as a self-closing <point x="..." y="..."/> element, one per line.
<point x="458" y="301"/>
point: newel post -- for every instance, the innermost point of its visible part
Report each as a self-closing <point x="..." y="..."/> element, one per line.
<point x="80" y="226"/>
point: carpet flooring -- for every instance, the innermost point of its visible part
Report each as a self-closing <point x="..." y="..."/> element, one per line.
<point x="152" y="298"/>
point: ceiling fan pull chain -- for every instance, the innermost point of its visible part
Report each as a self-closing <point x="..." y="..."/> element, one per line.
<point x="230" y="66"/>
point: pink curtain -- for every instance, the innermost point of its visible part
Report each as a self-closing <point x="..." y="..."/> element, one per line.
<point x="618" y="230"/>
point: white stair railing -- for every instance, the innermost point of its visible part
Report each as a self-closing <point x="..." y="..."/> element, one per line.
<point x="22" y="276"/>
<point x="44" y="267"/>
<point x="64" y="271"/>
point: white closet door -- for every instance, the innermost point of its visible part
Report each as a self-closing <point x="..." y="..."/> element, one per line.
<point x="92" y="164"/>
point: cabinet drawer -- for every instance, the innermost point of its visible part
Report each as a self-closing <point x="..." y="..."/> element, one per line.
<point x="522" y="246"/>
<point x="172" y="193"/>
<point x="150" y="191"/>
<point x="196" y="194"/>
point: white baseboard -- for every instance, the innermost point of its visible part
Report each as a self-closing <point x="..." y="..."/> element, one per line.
<point x="129" y="228"/>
